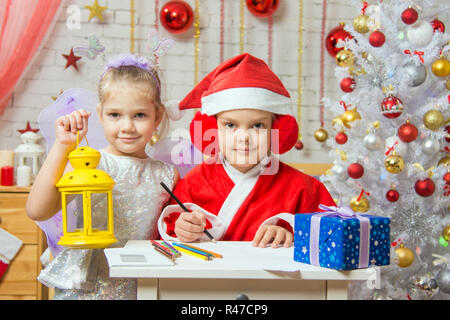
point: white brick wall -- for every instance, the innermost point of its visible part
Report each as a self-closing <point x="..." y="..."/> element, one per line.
<point x="47" y="76"/>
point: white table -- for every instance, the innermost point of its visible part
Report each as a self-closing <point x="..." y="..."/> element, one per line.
<point x="192" y="278"/>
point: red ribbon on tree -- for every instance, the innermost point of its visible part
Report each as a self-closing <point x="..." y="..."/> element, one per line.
<point x="419" y="53"/>
<point x="391" y="148"/>
<point x="342" y="103"/>
<point x="365" y="5"/>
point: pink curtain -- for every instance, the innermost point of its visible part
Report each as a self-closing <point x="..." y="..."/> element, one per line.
<point x="23" y="26"/>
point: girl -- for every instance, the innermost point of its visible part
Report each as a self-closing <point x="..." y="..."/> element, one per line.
<point x="246" y="194"/>
<point x="130" y="111"/>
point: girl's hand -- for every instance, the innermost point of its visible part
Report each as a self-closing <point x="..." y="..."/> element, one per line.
<point x="278" y="234"/>
<point x="190" y="225"/>
<point x="68" y="125"/>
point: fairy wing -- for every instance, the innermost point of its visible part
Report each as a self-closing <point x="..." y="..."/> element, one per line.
<point x="178" y="152"/>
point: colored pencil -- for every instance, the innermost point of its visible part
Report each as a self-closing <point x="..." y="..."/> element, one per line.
<point x="177" y="253"/>
<point x="161" y="247"/>
<point x="171" y="257"/>
<point x="195" y="250"/>
<point x="216" y="255"/>
<point x="185" y="209"/>
<point x="192" y="253"/>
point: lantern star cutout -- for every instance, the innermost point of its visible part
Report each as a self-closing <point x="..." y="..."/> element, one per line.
<point x="71" y="59"/>
<point x="27" y="129"/>
<point x="96" y="11"/>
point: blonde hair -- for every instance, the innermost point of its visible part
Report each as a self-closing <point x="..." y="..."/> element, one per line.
<point x="136" y="75"/>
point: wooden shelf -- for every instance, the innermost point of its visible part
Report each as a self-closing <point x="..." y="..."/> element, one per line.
<point x="14" y="189"/>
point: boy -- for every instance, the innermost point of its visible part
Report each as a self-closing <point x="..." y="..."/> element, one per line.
<point x="243" y="192"/>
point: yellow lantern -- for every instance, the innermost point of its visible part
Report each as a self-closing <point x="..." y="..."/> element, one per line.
<point x="87" y="183"/>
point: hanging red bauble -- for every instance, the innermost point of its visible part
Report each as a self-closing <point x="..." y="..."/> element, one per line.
<point x="176" y="16"/>
<point x="334" y="36"/>
<point x="341" y="138"/>
<point x="409" y="16"/>
<point x="392" y="195"/>
<point x="391" y="107"/>
<point x="299" y="145"/>
<point x="408" y="132"/>
<point x="424" y="188"/>
<point x="447" y="178"/>
<point x="377" y="38"/>
<point x="447" y="128"/>
<point x="348" y="84"/>
<point x="262" y="8"/>
<point x="355" y="170"/>
<point x="438" y="25"/>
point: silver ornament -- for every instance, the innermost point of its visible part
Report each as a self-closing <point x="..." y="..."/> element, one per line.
<point x="420" y="33"/>
<point x="443" y="280"/>
<point x="423" y="287"/>
<point x="416" y="74"/>
<point x="340" y="172"/>
<point x="372" y="141"/>
<point x="430" y="147"/>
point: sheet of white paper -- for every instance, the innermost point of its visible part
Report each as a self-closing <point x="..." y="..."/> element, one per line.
<point x="136" y="257"/>
<point x="244" y="255"/>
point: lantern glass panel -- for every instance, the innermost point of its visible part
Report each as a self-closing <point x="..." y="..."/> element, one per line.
<point x="99" y="211"/>
<point x="74" y="204"/>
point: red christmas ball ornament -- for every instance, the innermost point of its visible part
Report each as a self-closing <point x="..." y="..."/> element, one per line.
<point x="392" y="195"/>
<point x="355" y="170"/>
<point x="348" y="84"/>
<point x="377" y="38"/>
<point x="408" y="132"/>
<point x="176" y="16"/>
<point x="438" y="25"/>
<point x="262" y="8"/>
<point x="447" y="128"/>
<point x="299" y="145"/>
<point x="391" y="107"/>
<point x="409" y="16"/>
<point x="447" y="178"/>
<point x="335" y="36"/>
<point x="424" y="188"/>
<point x="341" y="138"/>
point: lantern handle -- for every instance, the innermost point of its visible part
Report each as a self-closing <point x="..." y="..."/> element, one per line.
<point x="78" y="140"/>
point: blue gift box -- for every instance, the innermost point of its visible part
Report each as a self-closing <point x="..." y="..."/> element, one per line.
<point x="338" y="245"/>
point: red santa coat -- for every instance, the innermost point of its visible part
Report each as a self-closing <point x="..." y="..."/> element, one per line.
<point x="236" y="205"/>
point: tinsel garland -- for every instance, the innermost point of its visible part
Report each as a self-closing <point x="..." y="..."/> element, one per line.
<point x="197" y="40"/>
<point x="132" y="26"/>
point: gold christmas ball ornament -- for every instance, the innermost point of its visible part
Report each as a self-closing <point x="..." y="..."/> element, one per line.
<point x="446" y="233"/>
<point x="345" y="58"/>
<point x="361" y="205"/>
<point x="433" y="119"/>
<point x="350" y="116"/>
<point x="360" y="24"/>
<point x="445" y="161"/>
<point x="447" y="84"/>
<point x="394" y="163"/>
<point x="441" y="67"/>
<point x="321" y="135"/>
<point x="405" y="256"/>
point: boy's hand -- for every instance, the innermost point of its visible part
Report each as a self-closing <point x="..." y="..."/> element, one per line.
<point x="68" y="125"/>
<point x="190" y="225"/>
<point x="278" y="234"/>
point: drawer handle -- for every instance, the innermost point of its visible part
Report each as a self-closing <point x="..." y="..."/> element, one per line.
<point x="242" y="297"/>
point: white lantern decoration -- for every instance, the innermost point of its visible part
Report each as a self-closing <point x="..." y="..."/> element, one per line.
<point x="29" y="153"/>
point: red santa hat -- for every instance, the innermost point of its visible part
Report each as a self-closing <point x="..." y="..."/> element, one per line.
<point x="243" y="82"/>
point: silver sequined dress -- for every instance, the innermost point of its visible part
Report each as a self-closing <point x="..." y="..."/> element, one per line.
<point x="138" y="199"/>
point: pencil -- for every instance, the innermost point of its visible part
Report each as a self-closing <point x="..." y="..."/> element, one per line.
<point x="192" y="253"/>
<point x="177" y="253"/>
<point x="171" y="257"/>
<point x="217" y="255"/>
<point x="184" y="208"/>
<point x="159" y="246"/>
<point x="199" y="251"/>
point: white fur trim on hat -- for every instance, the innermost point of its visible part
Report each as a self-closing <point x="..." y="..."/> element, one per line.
<point x="246" y="98"/>
<point x="173" y="110"/>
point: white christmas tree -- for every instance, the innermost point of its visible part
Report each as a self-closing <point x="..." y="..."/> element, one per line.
<point x="391" y="144"/>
